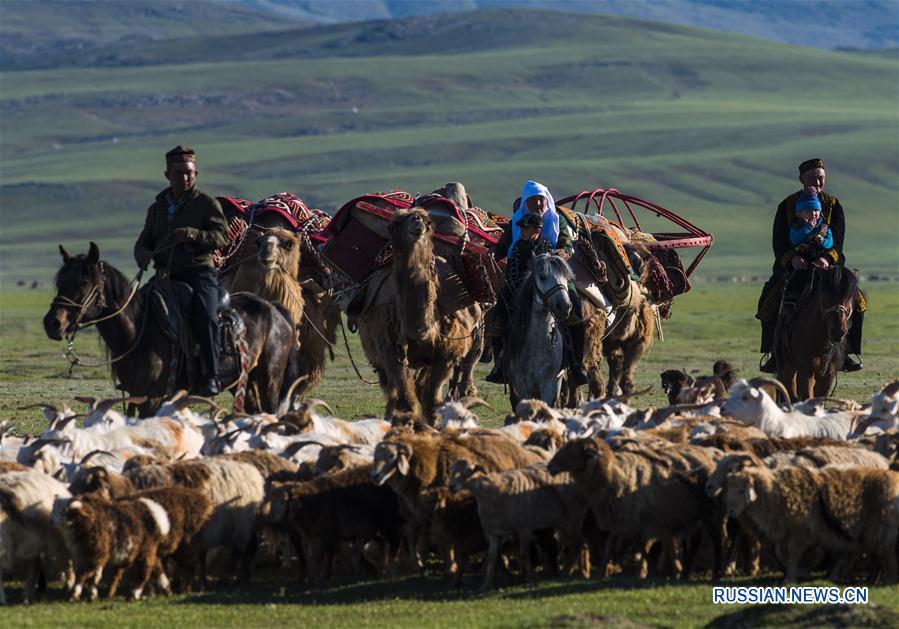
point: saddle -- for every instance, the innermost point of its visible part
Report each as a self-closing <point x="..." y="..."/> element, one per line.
<point x="170" y="305"/>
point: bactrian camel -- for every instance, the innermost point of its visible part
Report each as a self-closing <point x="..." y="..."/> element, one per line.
<point x="406" y="331"/>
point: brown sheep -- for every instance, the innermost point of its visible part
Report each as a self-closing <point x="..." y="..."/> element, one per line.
<point x="267" y="463"/>
<point x="518" y="503"/>
<point x="101" y="482"/>
<point x="335" y="508"/>
<point x="637" y="496"/>
<point x="845" y="510"/>
<point x="123" y="534"/>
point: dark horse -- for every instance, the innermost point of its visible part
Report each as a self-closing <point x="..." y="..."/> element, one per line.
<point x="91" y="290"/>
<point x="810" y="342"/>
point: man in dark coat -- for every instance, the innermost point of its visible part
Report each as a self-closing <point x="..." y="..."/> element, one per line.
<point x="183" y="229"/>
<point x="788" y="256"/>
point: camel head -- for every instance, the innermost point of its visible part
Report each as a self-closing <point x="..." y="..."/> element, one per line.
<point x="408" y="227"/>
<point x="280" y="248"/>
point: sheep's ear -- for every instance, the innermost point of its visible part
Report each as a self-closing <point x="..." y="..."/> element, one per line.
<point x="755" y="392"/>
<point x="76" y="505"/>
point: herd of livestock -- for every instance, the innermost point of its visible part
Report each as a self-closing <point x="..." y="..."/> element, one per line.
<point x="724" y="481"/>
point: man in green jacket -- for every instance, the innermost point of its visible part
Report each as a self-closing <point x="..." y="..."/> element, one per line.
<point x="184" y="227"/>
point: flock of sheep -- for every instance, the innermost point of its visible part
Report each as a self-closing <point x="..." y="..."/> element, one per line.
<point x="724" y="481"/>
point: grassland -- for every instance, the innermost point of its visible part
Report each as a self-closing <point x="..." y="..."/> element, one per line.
<point x="710" y="125"/>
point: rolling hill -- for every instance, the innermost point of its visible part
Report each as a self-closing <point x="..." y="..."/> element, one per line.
<point x="820" y="23"/>
<point x="709" y="124"/>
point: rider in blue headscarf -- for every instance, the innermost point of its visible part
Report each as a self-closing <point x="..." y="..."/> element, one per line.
<point x="536" y="210"/>
<point x="536" y="199"/>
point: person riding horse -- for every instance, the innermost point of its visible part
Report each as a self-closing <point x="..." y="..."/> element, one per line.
<point x="809" y="228"/>
<point x="536" y="228"/>
<point x="184" y="227"/>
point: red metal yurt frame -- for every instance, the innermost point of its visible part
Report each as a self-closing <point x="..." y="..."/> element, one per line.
<point x="693" y="237"/>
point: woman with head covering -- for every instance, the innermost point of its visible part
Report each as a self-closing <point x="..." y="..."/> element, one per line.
<point x="544" y="229"/>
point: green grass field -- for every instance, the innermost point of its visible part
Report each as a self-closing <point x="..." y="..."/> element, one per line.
<point x="713" y="321"/>
<point x="709" y="125"/>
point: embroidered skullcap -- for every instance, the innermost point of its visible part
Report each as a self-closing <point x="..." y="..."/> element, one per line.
<point x="180" y="154"/>
<point x="810" y="164"/>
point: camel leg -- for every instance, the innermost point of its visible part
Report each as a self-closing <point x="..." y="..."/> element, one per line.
<point x="432" y="395"/>
<point x="615" y="358"/>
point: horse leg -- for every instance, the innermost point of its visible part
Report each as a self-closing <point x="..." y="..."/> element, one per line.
<point x="787" y="376"/>
<point x="805" y="382"/>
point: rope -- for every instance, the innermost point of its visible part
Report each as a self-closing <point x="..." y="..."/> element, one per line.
<point x="349" y="355"/>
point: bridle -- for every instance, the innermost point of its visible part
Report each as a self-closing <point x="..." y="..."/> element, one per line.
<point x="95" y="295"/>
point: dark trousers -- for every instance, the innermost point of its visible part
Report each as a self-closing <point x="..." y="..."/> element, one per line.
<point x="203" y="311"/>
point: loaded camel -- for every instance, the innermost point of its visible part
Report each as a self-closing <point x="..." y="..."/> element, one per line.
<point x="406" y="330"/>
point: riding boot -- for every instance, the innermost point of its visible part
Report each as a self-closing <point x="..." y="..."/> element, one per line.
<point x="497" y="375"/>
<point x="854" y="342"/>
<point x="576" y="357"/>
<point x="768" y="364"/>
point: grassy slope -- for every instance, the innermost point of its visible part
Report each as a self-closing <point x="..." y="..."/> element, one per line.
<point x="710" y="125"/>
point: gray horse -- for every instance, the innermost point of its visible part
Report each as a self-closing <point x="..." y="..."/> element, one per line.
<point x="536" y="336"/>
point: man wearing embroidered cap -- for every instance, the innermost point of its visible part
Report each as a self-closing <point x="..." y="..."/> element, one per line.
<point x="808" y="231"/>
<point x="184" y="227"/>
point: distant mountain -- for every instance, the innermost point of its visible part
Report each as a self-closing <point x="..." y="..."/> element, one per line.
<point x="818" y="23"/>
<point x="44" y="33"/>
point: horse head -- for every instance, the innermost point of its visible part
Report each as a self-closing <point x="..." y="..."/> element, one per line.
<point x="551" y="276"/>
<point x="837" y="291"/>
<point x="79" y="293"/>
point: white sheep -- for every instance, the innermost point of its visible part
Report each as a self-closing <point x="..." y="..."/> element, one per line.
<point x="27" y="500"/>
<point x="753" y="406"/>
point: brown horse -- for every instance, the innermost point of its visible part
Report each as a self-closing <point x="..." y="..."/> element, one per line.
<point x="810" y="343"/>
<point x="91" y="291"/>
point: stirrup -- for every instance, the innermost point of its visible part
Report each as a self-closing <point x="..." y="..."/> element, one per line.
<point x="769" y="365"/>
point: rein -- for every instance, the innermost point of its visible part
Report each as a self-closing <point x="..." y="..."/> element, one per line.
<point x="96" y="295"/>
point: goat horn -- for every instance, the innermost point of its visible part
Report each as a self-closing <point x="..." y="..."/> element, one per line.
<point x="40" y="405"/>
<point x="275" y="425"/>
<point x="312" y="403"/>
<point x="86" y="399"/>
<point x="196" y="399"/>
<point x="216" y="416"/>
<point x="93" y="453"/>
<point x="40" y="443"/>
<point x="626" y="396"/>
<point x="296" y="446"/>
<point x="62" y="422"/>
<point x="107" y="404"/>
<point x="180" y="393"/>
<point x="777" y="384"/>
<point x="474" y="402"/>
<point x="891" y="389"/>
<point x="287" y="402"/>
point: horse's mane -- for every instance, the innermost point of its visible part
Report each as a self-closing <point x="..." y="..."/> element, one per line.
<point x="521" y="316"/>
<point x="845" y="283"/>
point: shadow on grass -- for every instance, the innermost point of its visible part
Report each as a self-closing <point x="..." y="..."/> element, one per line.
<point x="276" y="589"/>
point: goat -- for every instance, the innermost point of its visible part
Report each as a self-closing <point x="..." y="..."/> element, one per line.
<point x="753" y="406"/>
